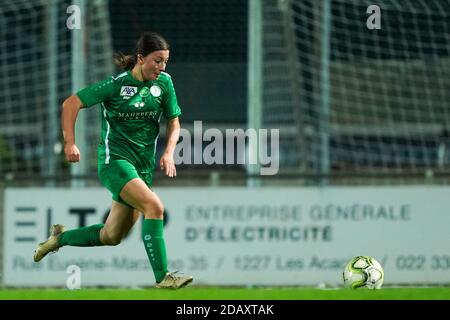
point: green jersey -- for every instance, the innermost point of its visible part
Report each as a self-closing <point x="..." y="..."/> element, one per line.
<point x="131" y="110"/>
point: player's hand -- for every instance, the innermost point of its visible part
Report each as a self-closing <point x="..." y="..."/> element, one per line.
<point x="72" y="153"/>
<point x="168" y="165"/>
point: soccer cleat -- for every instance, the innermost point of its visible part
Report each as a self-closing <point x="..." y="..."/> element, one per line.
<point x="51" y="245"/>
<point x="173" y="281"/>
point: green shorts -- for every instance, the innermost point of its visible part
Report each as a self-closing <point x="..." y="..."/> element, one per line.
<point x="116" y="174"/>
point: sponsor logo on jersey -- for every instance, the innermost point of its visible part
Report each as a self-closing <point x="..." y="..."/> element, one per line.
<point x="155" y="91"/>
<point x="127" y="91"/>
<point x="139" y="115"/>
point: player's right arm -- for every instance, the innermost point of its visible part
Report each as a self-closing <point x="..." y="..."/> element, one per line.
<point x="98" y="92"/>
<point x="70" y="109"/>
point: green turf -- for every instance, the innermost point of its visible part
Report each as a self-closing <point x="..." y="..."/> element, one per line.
<point x="213" y="293"/>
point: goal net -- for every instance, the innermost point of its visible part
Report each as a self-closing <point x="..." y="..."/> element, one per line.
<point x="350" y="99"/>
<point x="36" y="63"/>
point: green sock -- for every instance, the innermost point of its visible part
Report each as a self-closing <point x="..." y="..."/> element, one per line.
<point x="82" y="237"/>
<point x="152" y="235"/>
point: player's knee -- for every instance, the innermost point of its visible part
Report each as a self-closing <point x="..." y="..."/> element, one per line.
<point x="114" y="241"/>
<point x="112" y="238"/>
<point x="153" y="209"/>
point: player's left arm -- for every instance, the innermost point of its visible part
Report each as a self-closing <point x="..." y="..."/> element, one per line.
<point x="167" y="162"/>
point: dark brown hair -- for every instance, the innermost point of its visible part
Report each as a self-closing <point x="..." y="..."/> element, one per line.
<point x="147" y="43"/>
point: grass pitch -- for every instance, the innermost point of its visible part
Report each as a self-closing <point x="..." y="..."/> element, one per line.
<point x="221" y="293"/>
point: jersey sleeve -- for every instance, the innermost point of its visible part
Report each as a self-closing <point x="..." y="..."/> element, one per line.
<point x="96" y="93"/>
<point x="171" y="109"/>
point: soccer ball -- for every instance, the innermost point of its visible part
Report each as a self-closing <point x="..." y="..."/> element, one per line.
<point x="363" y="272"/>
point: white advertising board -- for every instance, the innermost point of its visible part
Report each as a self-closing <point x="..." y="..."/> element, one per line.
<point x="240" y="236"/>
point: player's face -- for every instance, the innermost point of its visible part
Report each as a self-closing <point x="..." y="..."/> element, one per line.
<point x="153" y="64"/>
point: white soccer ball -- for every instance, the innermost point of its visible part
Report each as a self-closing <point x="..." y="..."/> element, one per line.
<point x="363" y="272"/>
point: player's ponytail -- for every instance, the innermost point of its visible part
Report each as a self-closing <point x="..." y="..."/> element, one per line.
<point x="124" y="61"/>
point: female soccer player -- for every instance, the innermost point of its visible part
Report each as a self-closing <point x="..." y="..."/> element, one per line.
<point x="132" y="104"/>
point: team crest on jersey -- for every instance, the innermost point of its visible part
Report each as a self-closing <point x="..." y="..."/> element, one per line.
<point x="144" y="92"/>
<point x="127" y="91"/>
<point x="155" y="91"/>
